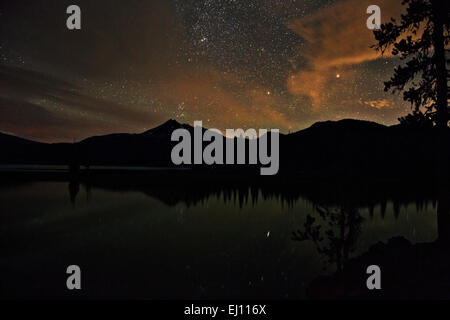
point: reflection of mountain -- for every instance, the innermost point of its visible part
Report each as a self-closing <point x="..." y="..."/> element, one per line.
<point x="408" y="270"/>
<point x="190" y="188"/>
<point x="347" y="147"/>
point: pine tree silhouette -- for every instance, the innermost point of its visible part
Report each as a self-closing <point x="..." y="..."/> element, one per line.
<point x="421" y="39"/>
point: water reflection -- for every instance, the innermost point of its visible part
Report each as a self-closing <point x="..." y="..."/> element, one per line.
<point x="335" y="235"/>
<point x="199" y="239"/>
<point x="409" y="270"/>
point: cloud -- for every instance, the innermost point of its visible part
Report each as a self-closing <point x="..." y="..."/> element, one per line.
<point x="135" y="64"/>
<point x="36" y="105"/>
<point x="379" y="104"/>
<point x="143" y="42"/>
<point x="203" y="93"/>
<point x="336" y="38"/>
<point x="33" y="121"/>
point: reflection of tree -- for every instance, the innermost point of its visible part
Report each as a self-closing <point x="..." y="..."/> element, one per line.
<point x="409" y="270"/>
<point x="343" y="225"/>
<point x="74" y="188"/>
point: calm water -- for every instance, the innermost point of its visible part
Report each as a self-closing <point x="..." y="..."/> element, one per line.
<point x="132" y="244"/>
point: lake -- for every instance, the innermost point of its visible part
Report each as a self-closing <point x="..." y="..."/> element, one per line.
<point x="156" y="244"/>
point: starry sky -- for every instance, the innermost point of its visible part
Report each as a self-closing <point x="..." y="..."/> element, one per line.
<point x="231" y="63"/>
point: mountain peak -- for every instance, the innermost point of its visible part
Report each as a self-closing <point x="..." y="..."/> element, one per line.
<point x="166" y="127"/>
<point x="171" y="122"/>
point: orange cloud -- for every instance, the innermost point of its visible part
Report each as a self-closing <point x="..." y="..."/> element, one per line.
<point x="379" y="104"/>
<point x="202" y="93"/>
<point x="337" y="37"/>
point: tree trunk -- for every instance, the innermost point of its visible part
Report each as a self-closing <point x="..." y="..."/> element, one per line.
<point x="439" y="17"/>
<point x="443" y="217"/>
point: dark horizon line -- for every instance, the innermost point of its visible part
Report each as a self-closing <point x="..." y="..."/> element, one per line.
<point x="345" y="120"/>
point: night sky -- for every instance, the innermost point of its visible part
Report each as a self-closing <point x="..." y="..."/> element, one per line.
<point x="230" y="63"/>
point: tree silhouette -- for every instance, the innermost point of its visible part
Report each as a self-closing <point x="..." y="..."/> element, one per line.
<point x="417" y="119"/>
<point x="421" y="39"/>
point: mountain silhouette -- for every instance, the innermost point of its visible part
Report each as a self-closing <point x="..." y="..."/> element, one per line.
<point x="331" y="148"/>
<point x="167" y="128"/>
